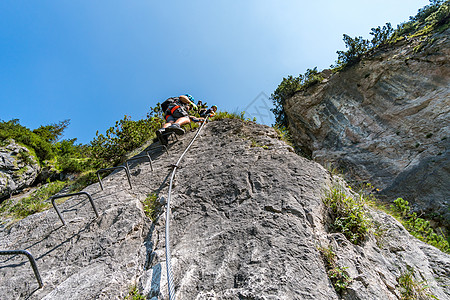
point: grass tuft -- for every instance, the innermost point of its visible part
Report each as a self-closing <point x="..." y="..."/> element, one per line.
<point x="134" y="294"/>
<point x="411" y="289"/>
<point x="418" y="227"/>
<point x="348" y="215"/>
<point x="31" y="204"/>
<point x="338" y="276"/>
<point x="151" y="206"/>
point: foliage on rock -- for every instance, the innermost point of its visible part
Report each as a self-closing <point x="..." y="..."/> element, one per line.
<point x="338" y="276"/>
<point x="220" y="115"/>
<point x="134" y="294"/>
<point x="411" y="289"/>
<point x="36" y="202"/>
<point x="151" y="206"/>
<point x="126" y="135"/>
<point x="39" y="140"/>
<point x="418" y="227"/>
<point x="66" y="157"/>
<point x="348" y="215"/>
<point x="288" y="87"/>
<point x="432" y="17"/>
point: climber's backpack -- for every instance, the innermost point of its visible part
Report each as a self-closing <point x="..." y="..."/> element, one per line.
<point x="173" y="107"/>
<point x="169" y="102"/>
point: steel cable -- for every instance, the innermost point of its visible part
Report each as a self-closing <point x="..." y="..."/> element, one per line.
<point x="168" y="257"/>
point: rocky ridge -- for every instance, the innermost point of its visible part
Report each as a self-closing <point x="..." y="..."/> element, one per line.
<point x="247" y="221"/>
<point x="385" y="120"/>
<point x="19" y="168"/>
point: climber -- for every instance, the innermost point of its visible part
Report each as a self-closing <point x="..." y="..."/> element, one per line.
<point x="200" y="105"/>
<point x="208" y="112"/>
<point x="205" y="112"/>
<point x="176" y="114"/>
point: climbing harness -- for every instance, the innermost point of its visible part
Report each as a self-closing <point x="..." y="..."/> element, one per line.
<point x="167" y="238"/>
<point x="172" y="110"/>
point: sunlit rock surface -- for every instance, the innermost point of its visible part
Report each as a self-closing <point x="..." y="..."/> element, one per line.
<point x="385" y="121"/>
<point x="247" y="220"/>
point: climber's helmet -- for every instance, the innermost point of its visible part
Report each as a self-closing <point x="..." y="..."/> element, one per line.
<point x="189" y="97"/>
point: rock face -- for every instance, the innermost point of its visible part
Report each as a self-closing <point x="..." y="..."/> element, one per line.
<point x="385" y="121"/>
<point x="18" y="168"/>
<point x="246" y="222"/>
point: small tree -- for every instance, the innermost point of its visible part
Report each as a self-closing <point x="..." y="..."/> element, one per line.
<point x="51" y="133"/>
<point x="285" y="90"/>
<point x="356" y="48"/>
<point x="381" y="34"/>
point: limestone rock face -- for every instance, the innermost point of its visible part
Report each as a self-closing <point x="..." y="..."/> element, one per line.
<point x="247" y="220"/>
<point x="385" y="121"/>
<point x="18" y="168"/>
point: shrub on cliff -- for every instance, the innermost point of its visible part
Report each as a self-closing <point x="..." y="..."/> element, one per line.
<point x="287" y="88"/>
<point x="124" y="136"/>
<point x="66" y="156"/>
<point x="34" y="203"/>
<point x="51" y="133"/>
<point x="433" y="17"/>
<point x="356" y="48"/>
<point x="40" y="141"/>
<point x="419" y="227"/>
<point x="348" y="215"/>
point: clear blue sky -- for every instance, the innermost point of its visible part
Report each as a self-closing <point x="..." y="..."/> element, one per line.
<point x="95" y="61"/>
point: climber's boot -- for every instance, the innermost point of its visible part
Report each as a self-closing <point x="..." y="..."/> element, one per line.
<point x="162" y="136"/>
<point x="175" y="128"/>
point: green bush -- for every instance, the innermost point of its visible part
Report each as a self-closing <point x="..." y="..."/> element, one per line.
<point x="411" y="289"/>
<point x="151" y="206"/>
<point x="381" y="35"/>
<point x="348" y="215"/>
<point x="124" y="136"/>
<point x="220" y="115"/>
<point x="106" y="150"/>
<point x="287" y="88"/>
<point x="22" y="135"/>
<point x="51" y="133"/>
<point x="71" y="158"/>
<point x="430" y="18"/>
<point x="357" y="47"/>
<point x="134" y="294"/>
<point x="419" y="227"/>
<point x="283" y="134"/>
<point x="83" y="180"/>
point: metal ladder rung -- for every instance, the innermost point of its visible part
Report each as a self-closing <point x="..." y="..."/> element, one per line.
<point x="30" y="258"/>
<point x="114" y="168"/>
<point x="53" y="198"/>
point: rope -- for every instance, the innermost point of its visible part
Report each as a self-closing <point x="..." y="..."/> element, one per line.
<point x="168" y="257"/>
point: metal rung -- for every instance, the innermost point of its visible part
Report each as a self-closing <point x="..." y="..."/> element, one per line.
<point x="138" y="157"/>
<point x="114" y="168"/>
<point x="53" y="198"/>
<point x="170" y="134"/>
<point x="30" y="258"/>
<point x="159" y="146"/>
